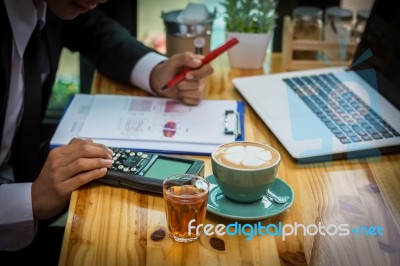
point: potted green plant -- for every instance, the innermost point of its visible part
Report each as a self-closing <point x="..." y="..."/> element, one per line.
<point x="252" y="22"/>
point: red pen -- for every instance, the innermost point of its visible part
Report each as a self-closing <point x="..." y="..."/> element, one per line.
<point x="207" y="59"/>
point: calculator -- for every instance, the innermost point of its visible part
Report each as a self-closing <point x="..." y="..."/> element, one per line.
<point x="146" y="171"/>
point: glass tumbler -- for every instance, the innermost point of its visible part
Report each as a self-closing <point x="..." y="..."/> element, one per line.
<point x="185" y="204"/>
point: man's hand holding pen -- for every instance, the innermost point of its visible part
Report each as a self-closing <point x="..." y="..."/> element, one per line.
<point x="182" y="76"/>
<point x="192" y="88"/>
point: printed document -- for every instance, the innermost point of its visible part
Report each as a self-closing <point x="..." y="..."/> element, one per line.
<point x="148" y="123"/>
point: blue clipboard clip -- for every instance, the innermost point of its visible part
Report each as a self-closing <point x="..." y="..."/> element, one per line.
<point x="232" y="123"/>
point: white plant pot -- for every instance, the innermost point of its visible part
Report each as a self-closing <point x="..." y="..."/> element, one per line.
<point x="251" y="50"/>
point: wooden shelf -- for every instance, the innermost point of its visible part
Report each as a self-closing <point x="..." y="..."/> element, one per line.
<point x="290" y="46"/>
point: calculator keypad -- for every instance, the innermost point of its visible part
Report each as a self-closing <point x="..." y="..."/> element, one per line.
<point x="125" y="160"/>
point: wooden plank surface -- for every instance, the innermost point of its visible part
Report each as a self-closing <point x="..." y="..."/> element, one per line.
<point x="113" y="226"/>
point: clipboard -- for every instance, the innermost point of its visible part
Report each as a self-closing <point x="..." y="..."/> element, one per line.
<point x="234" y="122"/>
<point x="78" y="117"/>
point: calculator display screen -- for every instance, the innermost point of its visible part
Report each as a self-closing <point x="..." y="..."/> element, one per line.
<point x="163" y="168"/>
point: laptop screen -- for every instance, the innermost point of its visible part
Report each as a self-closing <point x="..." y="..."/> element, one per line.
<point x="379" y="49"/>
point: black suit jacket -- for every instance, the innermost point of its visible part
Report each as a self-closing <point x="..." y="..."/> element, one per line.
<point x="111" y="49"/>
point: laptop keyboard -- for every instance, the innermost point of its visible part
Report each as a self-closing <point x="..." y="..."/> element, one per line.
<point x="348" y="117"/>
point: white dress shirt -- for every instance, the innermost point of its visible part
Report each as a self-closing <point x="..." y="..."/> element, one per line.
<point x="17" y="224"/>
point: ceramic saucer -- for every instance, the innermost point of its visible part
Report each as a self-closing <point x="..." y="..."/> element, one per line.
<point x="221" y="206"/>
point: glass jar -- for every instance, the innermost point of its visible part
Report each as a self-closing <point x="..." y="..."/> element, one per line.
<point x="337" y="28"/>
<point x="359" y="26"/>
<point x="307" y="25"/>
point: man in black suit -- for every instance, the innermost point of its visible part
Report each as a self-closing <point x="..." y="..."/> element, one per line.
<point x="32" y="34"/>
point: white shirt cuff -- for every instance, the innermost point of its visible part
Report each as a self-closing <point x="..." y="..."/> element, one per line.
<point x="17" y="226"/>
<point x="140" y="75"/>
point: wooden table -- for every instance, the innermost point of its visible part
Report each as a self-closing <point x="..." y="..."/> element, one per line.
<point x="112" y="226"/>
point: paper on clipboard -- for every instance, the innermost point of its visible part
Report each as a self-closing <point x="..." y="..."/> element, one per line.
<point x="146" y="123"/>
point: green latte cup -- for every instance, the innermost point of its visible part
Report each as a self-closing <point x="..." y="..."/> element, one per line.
<point x="244" y="170"/>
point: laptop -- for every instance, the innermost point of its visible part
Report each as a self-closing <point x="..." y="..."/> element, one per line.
<point x="333" y="112"/>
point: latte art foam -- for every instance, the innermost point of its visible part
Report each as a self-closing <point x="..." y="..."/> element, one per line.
<point x="246" y="155"/>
